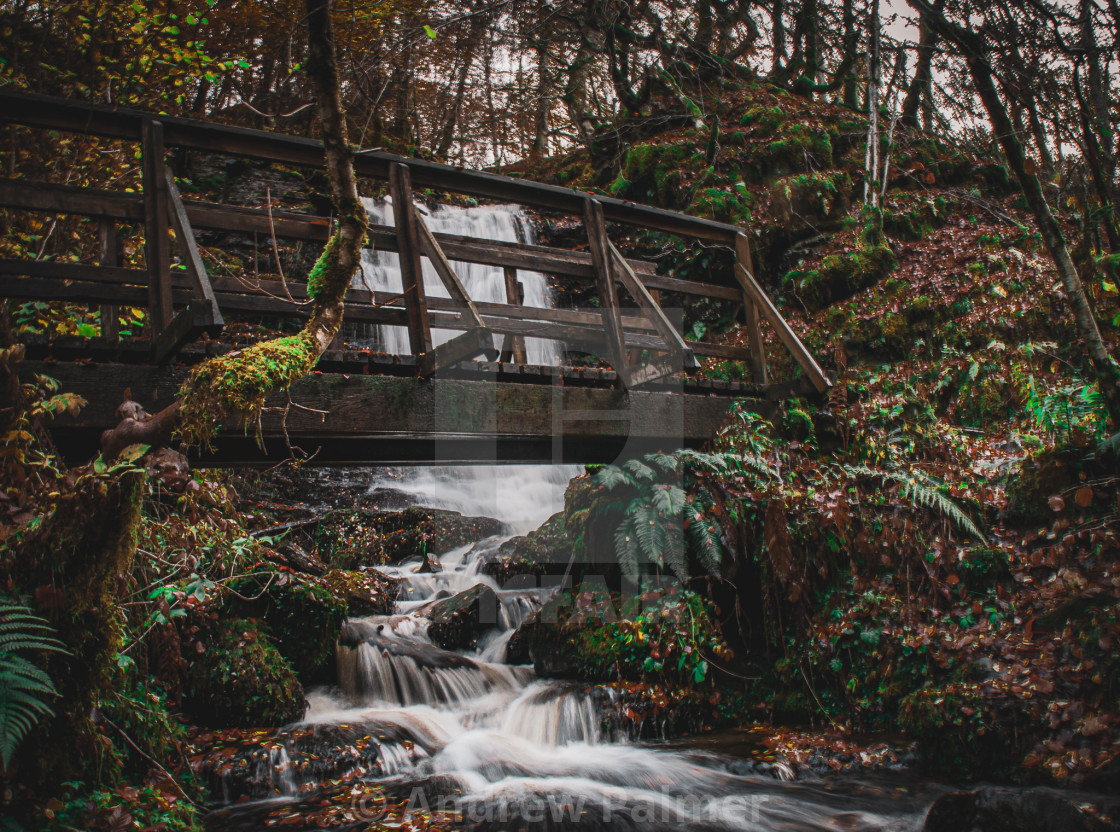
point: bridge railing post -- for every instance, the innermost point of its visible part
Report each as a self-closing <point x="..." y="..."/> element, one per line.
<point x="759" y="370"/>
<point x="513" y="346"/>
<point x="608" y="292"/>
<point x="109" y="255"/>
<point x="412" y="276"/>
<point x="157" y="244"/>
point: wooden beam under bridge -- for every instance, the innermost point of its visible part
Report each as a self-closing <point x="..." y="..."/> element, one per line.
<point x="383" y="420"/>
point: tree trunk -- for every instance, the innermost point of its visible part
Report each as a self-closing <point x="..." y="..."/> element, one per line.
<point x="923" y="72"/>
<point x="972" y="46"/>
<point x="235" y="386"/>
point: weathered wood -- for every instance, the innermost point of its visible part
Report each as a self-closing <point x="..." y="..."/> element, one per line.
<point x="172" y="337"/>
<point x="69" y="199"/>
<point x="206" y="311"/>
<point x="788" y="337"/>
<point x="73" y="271"/>
<point x="108" y="256"/>
<point x="759" y="371"/>
<point x="445" y="271"/>
<point x="157" y="245"/>
<point x="38" y="288"/>
<point x="412" y="275"/>
<point x="674" y="342"/>
<point x="515" y="296"/>
<point x="119" y="122"/>
<point x="373" y="419"/>
<point x="608" y="293"/>
<point x="474" y="342"/>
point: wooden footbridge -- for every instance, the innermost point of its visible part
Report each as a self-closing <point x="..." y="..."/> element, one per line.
<point x="465" y="400"/>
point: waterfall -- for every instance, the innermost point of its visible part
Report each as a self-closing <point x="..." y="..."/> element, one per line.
<point x="381" y="270"/>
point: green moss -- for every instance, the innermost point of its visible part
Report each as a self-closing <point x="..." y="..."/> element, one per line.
<point x="236" y="385"/>
<point x="302" y="613"/>
<point x="242" y="681"/>
<point x="840" y="276"/>
<point x="316" y="279"/>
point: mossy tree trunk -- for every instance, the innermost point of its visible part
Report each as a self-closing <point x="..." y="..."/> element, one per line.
<point x="973" y="48"/>
<point x="235" y="386"/>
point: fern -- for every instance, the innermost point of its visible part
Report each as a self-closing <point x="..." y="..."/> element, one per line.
<point x="23" y="685"/>
<point x="921" y="490"/>
<point x="611" y="477"/>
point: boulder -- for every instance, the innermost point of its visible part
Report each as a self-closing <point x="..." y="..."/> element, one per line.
<point x="351" y="538"/>
<point x="367" y="592"/>
<point x="302" y="612"/>
<point x="544" y="551"/>
<point x="992" y="809"/>
<point x="457" y="622"/>
<point x="240" y="680"/>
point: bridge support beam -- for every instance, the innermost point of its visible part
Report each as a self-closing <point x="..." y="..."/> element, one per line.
<point x="381" y="420"/>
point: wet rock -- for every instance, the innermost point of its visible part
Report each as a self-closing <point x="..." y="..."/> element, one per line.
<point x="992" y="809"/>
<point x="365" y="592"/>
<point x="348" y="539"/>
<point x="545" y="551"/>
<point x="430" y="565"/>
<point x="457" y="622"/>
<point x="240" y="680"/>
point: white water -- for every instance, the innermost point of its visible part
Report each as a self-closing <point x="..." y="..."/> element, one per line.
<point x="505" y="223"/>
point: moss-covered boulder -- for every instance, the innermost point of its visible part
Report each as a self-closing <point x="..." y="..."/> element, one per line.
<point x="242" y="681"/>
<point x="457" y="622"/>
<point x="303" y="614"/>
<point x="350" y="538"/>
<point x="365" y="592"/>
<point x="543" y="551"/>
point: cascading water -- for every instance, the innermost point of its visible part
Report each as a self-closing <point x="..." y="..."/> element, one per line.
<point x="512" y="750"/>
<point x="505" y="223"/>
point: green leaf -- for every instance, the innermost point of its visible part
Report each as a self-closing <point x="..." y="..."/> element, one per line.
<point x="430" y="32"/>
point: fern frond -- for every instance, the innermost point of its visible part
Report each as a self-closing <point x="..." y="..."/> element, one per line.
<point x="673" y="553"/>
<point x="626" y="548"/>
<point x="22" y="683"/>
<point x="639" y="470"/>
<point x="666" y="462"/>
<point x="611" y="477"/>
<point x="669" y="500"/>
<point x="704" y="537"/>
<point x="921" y="490"/>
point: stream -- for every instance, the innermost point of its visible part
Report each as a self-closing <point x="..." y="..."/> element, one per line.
<point x="482" y="744"/>
<point x="500" y="748"/>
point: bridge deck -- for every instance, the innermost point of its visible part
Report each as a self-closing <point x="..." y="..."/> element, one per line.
<point x="483" y="413"/>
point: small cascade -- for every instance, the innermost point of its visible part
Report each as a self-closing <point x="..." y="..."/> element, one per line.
<point x="505" y="223"/>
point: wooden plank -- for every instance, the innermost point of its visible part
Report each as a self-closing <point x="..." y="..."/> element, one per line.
<point x="515" y="296"/>
<point x="51" y="289"/>
<point x="73" y="271"/>
<point x="759" y="370"/>
<point x="446" y="273"/>
<point x="608" y="293"/>
<point x="788" y="337"/>
<point x="412" y="276"/>
<point x="674" y="342"/>
<point x="69" y="199"/>
<point x="172" y="337"/>
<point x="157" y="246"/>
<point x="119" y="122"/>
<point x="109" y="255"/>
<point x="475" y="341"/>
<point x="206" y="311"/>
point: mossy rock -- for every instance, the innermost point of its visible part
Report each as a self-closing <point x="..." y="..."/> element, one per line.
<point x="303" y="614"/>
<point x="543" y="551"/>
<point x="242" y="681"/>
<point x="348" y="539"/>
<point x="456" y="623"/>
<point x="365" y="592"/>
<point x="840" y="276"/>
